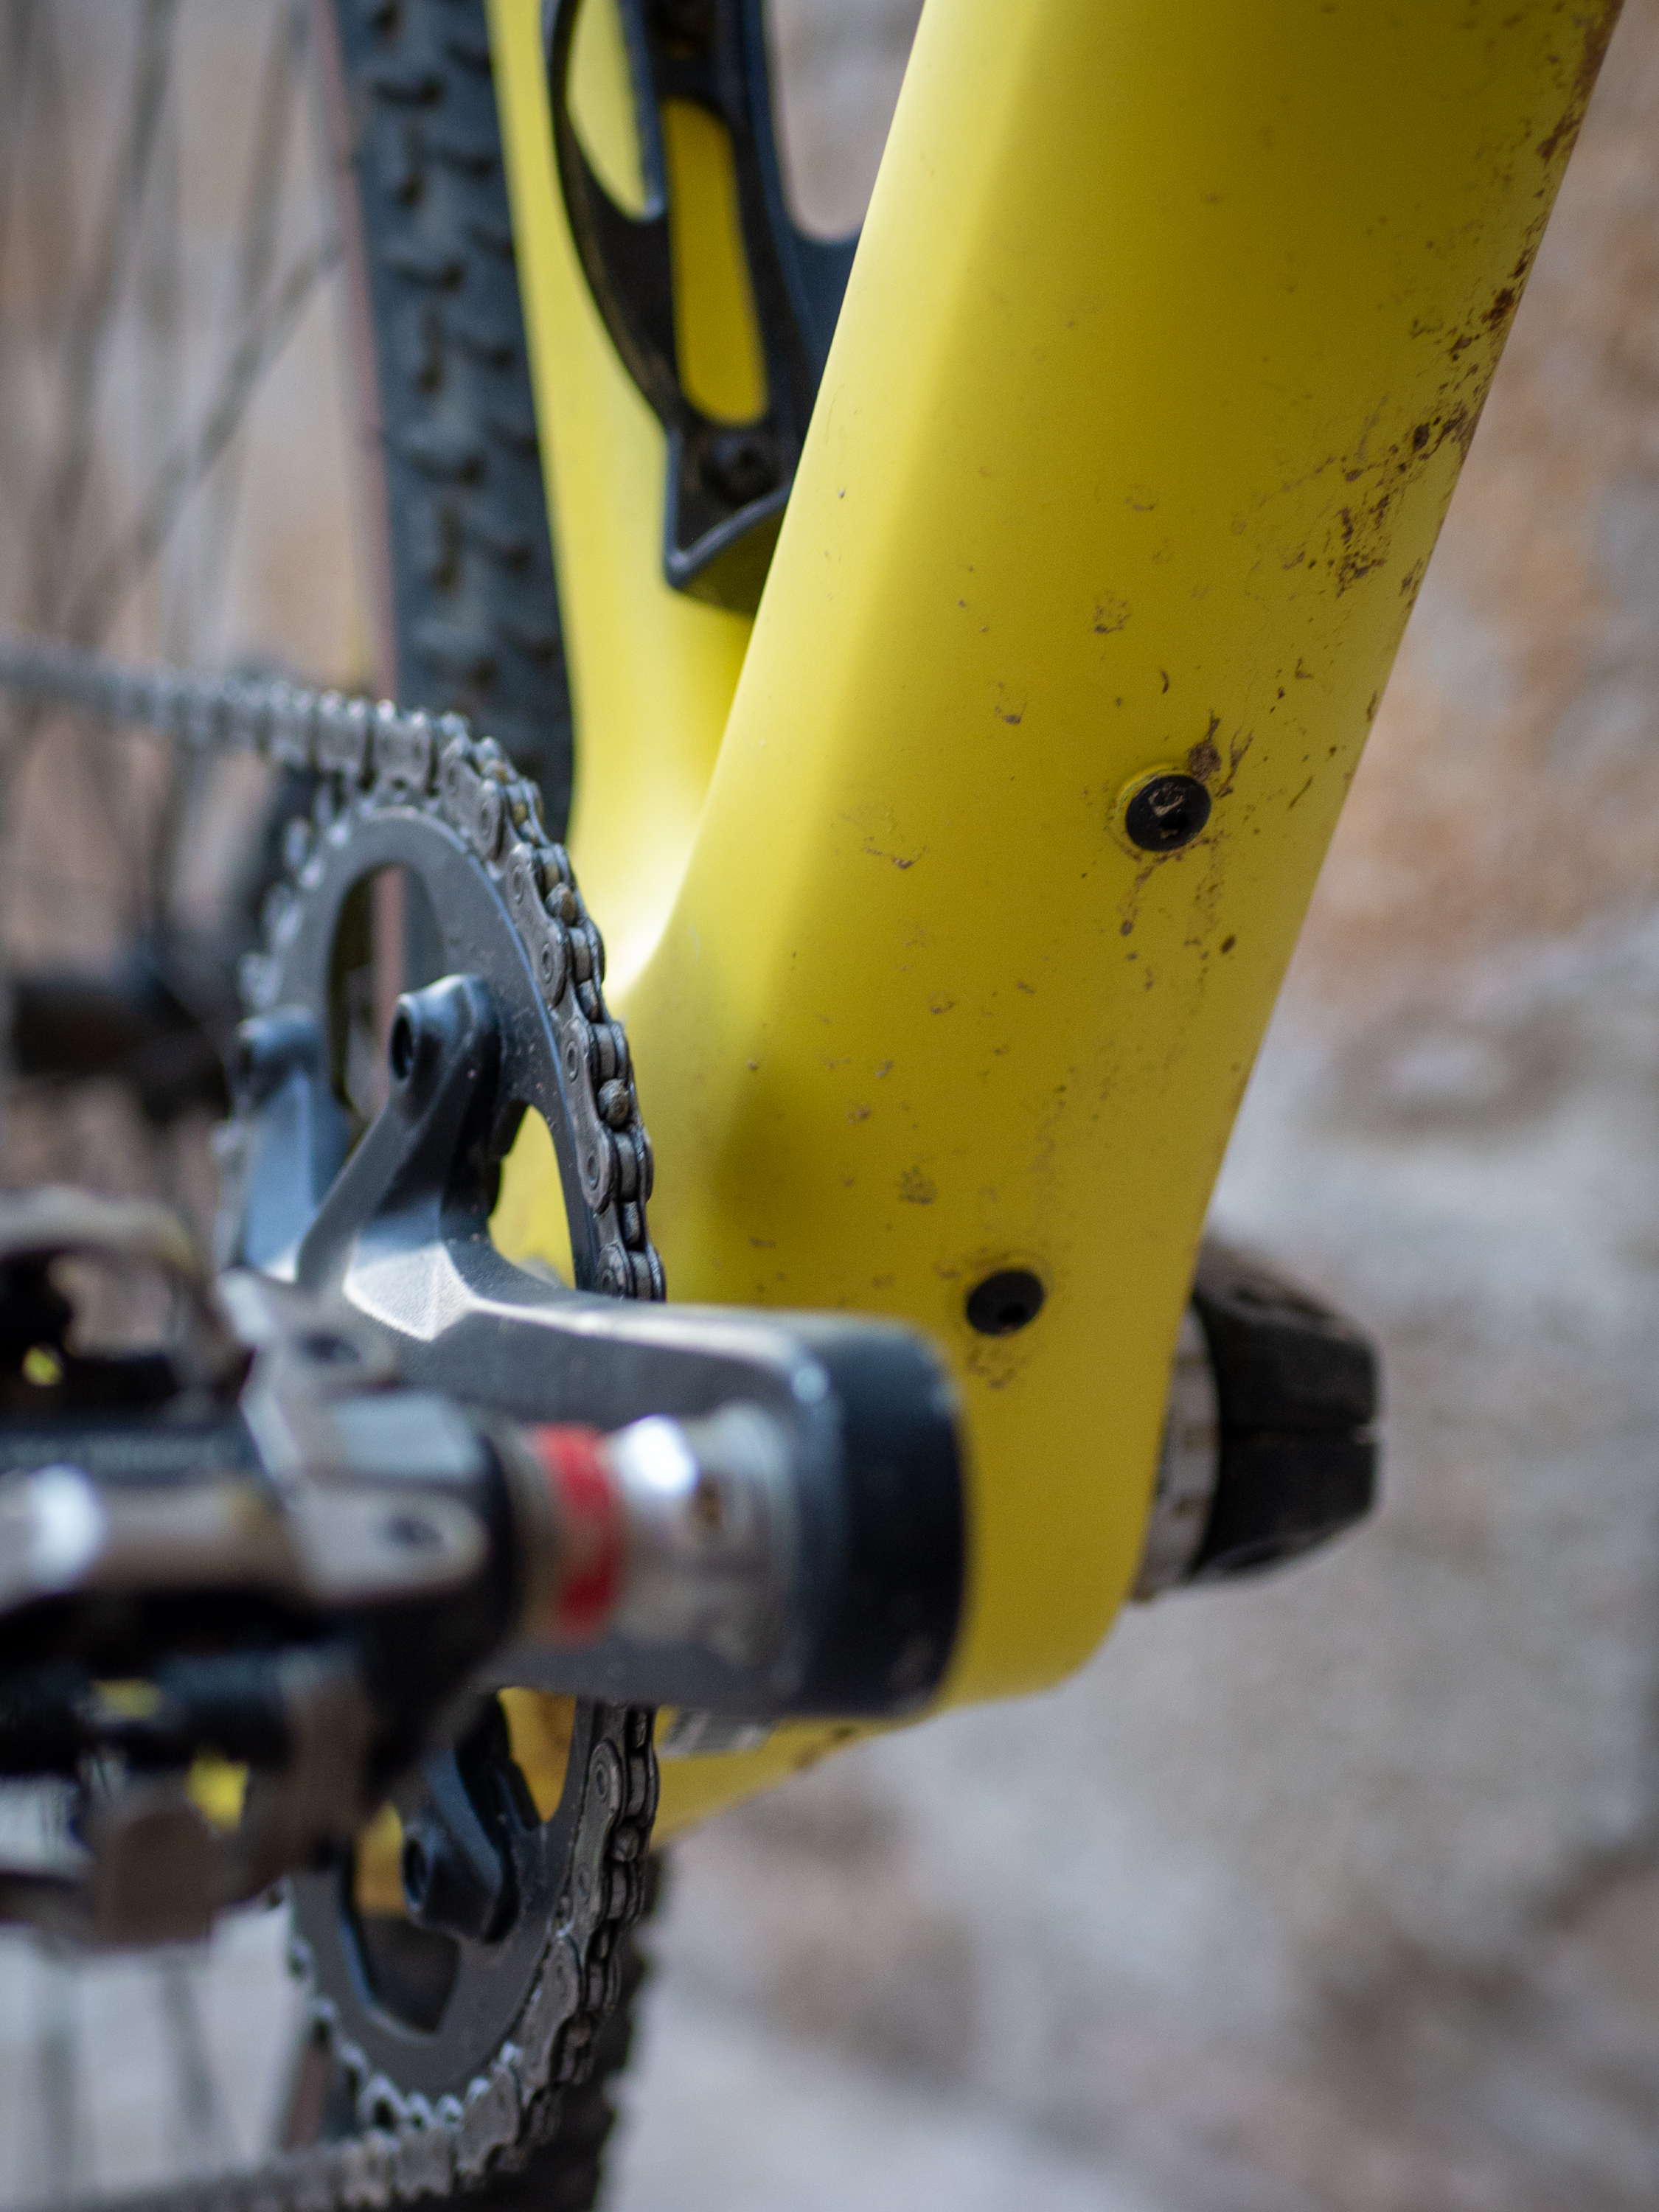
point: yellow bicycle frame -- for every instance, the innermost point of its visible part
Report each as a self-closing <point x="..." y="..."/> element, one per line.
<point x="1169" y="330"/>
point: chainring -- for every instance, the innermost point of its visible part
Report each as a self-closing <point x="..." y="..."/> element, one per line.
<point x="456" y="2050"/>
<point x="456" y="2047"/>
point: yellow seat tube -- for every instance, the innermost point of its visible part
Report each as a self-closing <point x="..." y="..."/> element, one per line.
<point x="1170" y="327"/>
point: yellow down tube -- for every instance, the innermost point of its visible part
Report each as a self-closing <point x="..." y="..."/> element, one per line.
<point x="1169" y="332"/>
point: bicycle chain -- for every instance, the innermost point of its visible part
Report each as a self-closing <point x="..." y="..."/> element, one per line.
<point x="367" y="757"/>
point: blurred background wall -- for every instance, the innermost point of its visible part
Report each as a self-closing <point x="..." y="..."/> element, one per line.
<point x="1341" y="1891"/>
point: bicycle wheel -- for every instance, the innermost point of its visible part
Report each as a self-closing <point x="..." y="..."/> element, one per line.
<point x="263" y="401"/>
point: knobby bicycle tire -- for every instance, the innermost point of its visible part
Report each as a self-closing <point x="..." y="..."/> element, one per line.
<point x="467" y="606"/>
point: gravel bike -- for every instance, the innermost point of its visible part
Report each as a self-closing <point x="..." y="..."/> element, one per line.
<point x="1092" y="490"/>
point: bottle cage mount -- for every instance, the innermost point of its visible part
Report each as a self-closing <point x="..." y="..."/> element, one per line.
<point x="727" y="482"/>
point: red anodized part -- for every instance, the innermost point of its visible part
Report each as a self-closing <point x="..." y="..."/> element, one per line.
<point x="593" y="1538"/>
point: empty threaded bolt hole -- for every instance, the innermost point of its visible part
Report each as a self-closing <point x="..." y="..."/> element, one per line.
<point x="742" y="466"/>
<point x="1008" y="1301"/>
<point x="401" y="1047"/>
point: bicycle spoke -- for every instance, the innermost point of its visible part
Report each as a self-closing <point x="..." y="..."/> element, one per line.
<point x="69" y="477"/>
<point x="169" y="491"/>
<point x="37" y="235"/>
<point x="57" y="2075"/>
<point x="202" y="2132"/>
<point x="255" y="263"/>
<point x="92" y="314"/>
<point x="158" y="326"/>
<point x="192" y="627"/>
<point x="17" y="40"/>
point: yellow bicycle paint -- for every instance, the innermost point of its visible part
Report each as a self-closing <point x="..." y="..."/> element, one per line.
<point x="651" y="672"/>
<point x="1170" y="327"/>
<point x="716" y="335"/>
